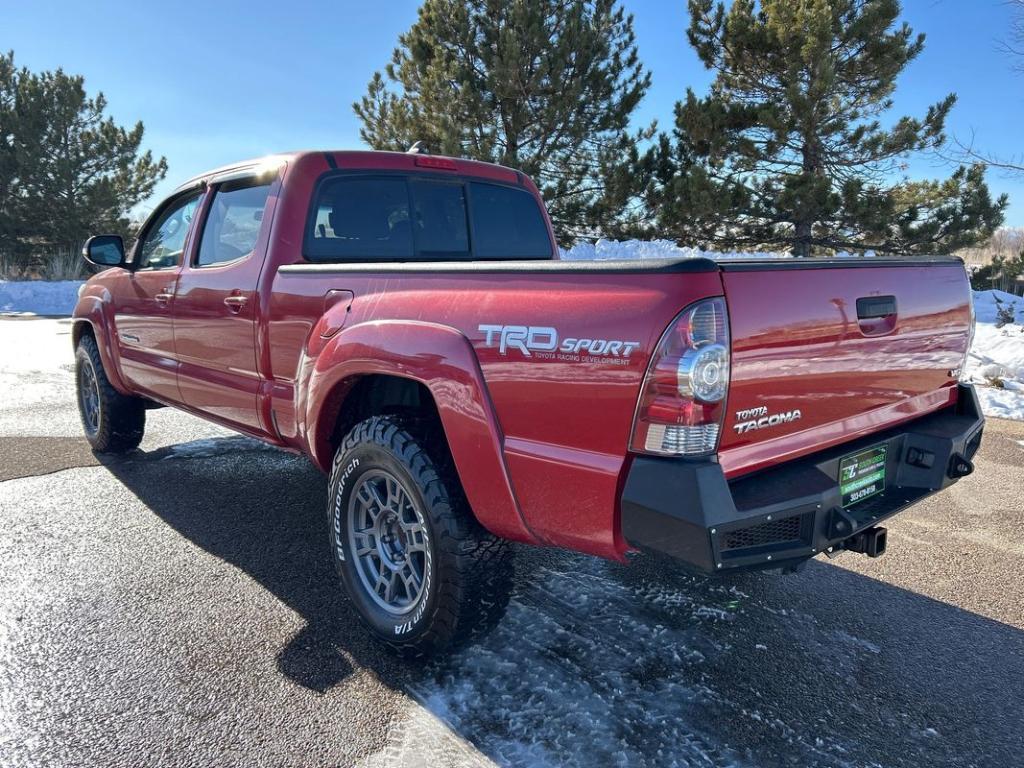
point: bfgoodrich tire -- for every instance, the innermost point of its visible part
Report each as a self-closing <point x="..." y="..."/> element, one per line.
<point x="113" y="423"/>
<point x="421" y="572"/>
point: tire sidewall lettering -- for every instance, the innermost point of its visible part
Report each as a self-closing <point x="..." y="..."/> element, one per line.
<point x="337" y="521"/>
<point x="351" y="465"/>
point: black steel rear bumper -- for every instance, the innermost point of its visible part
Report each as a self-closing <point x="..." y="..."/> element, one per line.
<point x="779" y="517"/>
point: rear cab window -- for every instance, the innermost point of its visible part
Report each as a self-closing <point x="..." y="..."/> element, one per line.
<point x="419" y="218"/>
<point x="507" y="224"/>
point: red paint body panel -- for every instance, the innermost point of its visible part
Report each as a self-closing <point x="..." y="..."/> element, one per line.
<point x="540" y="441"/>
<point x="145" y="332"/>
<point x="439" y="357"/>
<point x="797" y="343"/>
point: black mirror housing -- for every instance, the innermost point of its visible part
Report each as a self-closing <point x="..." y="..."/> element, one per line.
<point x="104" y="251"/>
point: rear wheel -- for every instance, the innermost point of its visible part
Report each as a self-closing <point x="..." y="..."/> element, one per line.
<point x="420" y="570"/>
<point x="113" y="423"/>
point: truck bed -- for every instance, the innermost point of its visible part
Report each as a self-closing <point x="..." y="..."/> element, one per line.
<point x="565" y="421"/>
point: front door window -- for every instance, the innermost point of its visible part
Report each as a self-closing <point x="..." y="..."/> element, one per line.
<point x="164" y="241"/>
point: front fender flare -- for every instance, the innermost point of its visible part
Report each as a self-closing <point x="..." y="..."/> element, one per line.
<point x="442" y="359"/>
<point x="93" y="310"/>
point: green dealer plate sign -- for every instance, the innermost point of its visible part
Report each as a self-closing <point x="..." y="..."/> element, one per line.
<point x="862" y="475"/>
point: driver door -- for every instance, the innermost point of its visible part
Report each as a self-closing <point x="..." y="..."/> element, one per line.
<point x="144" y="300"/>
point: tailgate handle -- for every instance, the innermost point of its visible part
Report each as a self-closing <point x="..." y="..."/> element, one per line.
<point x="871" y="307"/>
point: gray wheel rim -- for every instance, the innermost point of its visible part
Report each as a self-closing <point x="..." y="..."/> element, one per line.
<point x="388" y="540"/>
<point x="89" y="397"/>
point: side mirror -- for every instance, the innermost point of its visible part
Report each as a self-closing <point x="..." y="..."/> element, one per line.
<point x="104" y="251"/>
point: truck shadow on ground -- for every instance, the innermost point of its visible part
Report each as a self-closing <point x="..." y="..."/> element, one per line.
<point x="599" y="663"/>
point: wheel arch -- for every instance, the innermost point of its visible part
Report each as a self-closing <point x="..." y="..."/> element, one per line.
<point x="374" y="394"/>
<point x="435" y="368"/>
<point x="90" y="318"/>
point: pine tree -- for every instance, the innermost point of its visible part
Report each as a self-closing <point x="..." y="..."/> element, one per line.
<point x="66" y="170"/>
<point x="789" y="149"/>
<point x="544" y="86"/>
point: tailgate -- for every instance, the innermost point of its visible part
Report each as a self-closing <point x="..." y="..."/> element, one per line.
<point x="827" y="351"/>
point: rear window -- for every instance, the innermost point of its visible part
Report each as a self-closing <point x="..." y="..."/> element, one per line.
<point x="507" y="224"/>
<point x="395" y="218"/>
<point x="362" y="219"/>
<point x="439" y="220"/>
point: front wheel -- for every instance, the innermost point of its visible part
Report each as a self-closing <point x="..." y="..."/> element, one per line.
<point x="113" y="423"/>
<point x="420" y="570"/>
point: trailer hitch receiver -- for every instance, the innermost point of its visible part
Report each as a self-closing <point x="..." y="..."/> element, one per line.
<point x="870" y="542"/>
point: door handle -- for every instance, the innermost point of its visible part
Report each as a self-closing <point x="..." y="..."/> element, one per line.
<point x="876" y="315"/>
<point x="871" y="307"/>
<point x="235" y="303"/>
<point x="165" y="295"/>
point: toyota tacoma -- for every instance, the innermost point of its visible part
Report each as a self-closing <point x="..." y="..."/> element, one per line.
<point x="405" y="321"/>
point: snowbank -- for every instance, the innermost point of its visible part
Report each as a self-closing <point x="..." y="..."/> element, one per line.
<point x="987" y="305"/>
<point x="652" y="249"/>
<point x="667" y="249"/>
<point x="996" y="360"/>
<point x="38" y="297"/>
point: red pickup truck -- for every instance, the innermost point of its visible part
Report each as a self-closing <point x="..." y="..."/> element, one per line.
<point x="405" y="321"/>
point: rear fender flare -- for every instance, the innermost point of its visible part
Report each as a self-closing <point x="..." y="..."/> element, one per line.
<point x="442" y="359"/>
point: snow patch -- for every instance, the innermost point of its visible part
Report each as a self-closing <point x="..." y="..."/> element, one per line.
<point x="1001" y="403"/>
<point x="642" y="709"/>
<point x="38" y="297"/>
<point x="420" y="738"/>
<point x="996" y="360"/>
<point x="215" y="446"/>
<point x="37" y="361"/>
<point x="858" y="642"/>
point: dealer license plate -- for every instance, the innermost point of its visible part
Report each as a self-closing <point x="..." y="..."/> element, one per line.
<point x="862" y="475"/>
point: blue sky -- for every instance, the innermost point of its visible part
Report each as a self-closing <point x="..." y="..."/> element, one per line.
<point x="222" y="80"/>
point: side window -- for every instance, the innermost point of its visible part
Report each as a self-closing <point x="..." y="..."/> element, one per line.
<point x="507" y="224"/>
<point x="362" y="218"/>
<point x="164" y="241"/>
<point x="233" y="224"/>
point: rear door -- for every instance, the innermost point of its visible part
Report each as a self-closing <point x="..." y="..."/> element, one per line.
<point x="144" y="299"/>
<point x="216" y="305"/>
<point x="826" y="351"/>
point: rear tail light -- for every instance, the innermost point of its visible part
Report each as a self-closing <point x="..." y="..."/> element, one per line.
<point x="682" y="401"/>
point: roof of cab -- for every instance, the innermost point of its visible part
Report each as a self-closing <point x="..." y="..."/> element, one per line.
<point x="362" y="159"/>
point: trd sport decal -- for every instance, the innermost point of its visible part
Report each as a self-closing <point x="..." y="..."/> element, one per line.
<point x="543" y="342"/>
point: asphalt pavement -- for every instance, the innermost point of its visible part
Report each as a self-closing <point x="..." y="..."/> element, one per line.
<point x="177" y="607"/>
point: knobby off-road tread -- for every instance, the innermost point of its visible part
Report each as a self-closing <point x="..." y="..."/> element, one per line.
<point x="122" y="419"/>
<point x="474" y="568"/>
